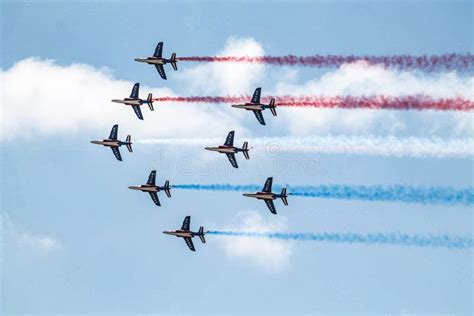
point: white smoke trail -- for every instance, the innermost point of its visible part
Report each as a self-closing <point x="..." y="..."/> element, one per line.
<point x="353" y="145"/>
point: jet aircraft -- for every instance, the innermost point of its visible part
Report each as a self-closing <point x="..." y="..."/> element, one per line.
<point x="114" y="143"/>
<point x="152" y="188"/>
<point x="159" y="61"/>
<point x="229" y="149"/>
<point x="186" y="234"/>
<point x="268" y="196"/>
<point x="135" y="102"/>
<point x="258" y="107"/>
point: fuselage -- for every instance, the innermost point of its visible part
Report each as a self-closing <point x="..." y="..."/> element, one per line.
<point x="153" y="60"/>
<point x="146" y="188"/>
<point x="181" y="233"/>
<point x="224" y="149"/>
<point x="108" y="142"/>
<point x="262" y="195"/>
<point x="250" y="106"/>
<point x="130" y="101"/>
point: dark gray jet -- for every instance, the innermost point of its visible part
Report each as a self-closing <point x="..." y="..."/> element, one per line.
<point x="114" y="143"/>
<point x="159" y="61"/>
<point x="258" y="107"/>
<point x="152" y="188"/>
<point x="229" y="149"/>
<point x="268" y="196"/>
<point x="186" y="234"/>
<point x="135" y="102"/>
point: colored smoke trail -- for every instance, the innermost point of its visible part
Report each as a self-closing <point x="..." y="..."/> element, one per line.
<point x="380" y="102"/>
<point x="393" y="193"/>
<point x="447" y="62"/>
<point x="435" y="241"/>
<point x="354" y="145"/>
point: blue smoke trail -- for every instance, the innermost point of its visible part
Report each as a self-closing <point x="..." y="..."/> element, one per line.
<point x="435" y="241"/>
<point x="394" y="193"/>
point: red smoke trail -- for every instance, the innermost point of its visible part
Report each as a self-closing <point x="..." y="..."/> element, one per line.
<point x="383" y="102"/>
<point x="426" y="63"/>
<point x="417" y="102"/>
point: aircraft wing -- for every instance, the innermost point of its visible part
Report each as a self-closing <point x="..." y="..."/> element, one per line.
<point x="186" y="223"/>
<point x="135" y="89"/>
<point x="138" y="111"/>
<point x="256" y="96"/>
<point x="229" y="141"/>
<point x="189" y="242"/>
<point x="271" y="206"/>
<point x="268" y="185"/>
<point x="151" y="177"/>
<point x="259" y="116"/>
<point x="116" y="152"/>
<point x="161" y="71"/>
<point x="113" y="132"/>
<point x="158" y="50"/>
<point x="154" y="197"/>
<point x="232" y="160"/>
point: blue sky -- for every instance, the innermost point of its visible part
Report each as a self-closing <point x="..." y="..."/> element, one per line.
<point x="77" y="240"/>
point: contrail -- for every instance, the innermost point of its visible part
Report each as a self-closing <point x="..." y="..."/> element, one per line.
<point x="353" y="145"/>
<point x="428" y="63"/>
<point x="377" y="102"/>
<point x="434" y="241"/>
<point x="393" y="193"/>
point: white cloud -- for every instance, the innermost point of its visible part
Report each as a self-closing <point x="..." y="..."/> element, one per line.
<point x="43" y="243"/>
<point x="40" y="97"/>
<point x="360" y="79"/>
<point x="13" y="235"/>
<point x="270" y="254"/>
<point x="227" y="78"/>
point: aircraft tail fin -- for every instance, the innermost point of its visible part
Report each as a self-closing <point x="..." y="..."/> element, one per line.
<point x="167" y="188"/>
<point x="201" y="234"/>
<point x="150" y="101"/>
<point x="273" y="107"/>
<point x="173" y="61"/>
<point x="283" y="196"/>
<point x="128" y="140"/>
<point x="246" y="150"/>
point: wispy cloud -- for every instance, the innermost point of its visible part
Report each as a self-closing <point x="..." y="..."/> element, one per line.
<point x="14" y="235"/>
<point x="269" y="254"/>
